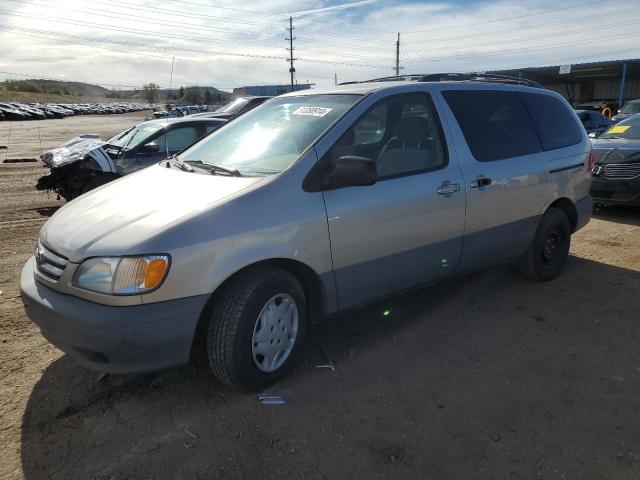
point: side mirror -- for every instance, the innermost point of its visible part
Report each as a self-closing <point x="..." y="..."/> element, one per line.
<point x="352" y="171"/>
<point x="151" y="147"/>
<point x="593" y="135"/>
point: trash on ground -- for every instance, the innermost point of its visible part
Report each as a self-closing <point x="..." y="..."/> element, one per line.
<point x="271" y="400"/>
<point x="329" y="363"/>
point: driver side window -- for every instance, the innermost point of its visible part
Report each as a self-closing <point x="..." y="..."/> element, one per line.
<point x="177" y="138"/>
<point x="401" y="134"/>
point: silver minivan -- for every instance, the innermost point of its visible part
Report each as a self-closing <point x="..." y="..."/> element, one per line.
<point x="313" y="203"/>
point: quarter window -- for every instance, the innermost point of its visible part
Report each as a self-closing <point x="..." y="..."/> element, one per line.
<point x="554" y="121"/>
<point x="495" y="124"/>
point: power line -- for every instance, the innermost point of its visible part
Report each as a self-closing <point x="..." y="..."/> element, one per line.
<point x="567" y="60"/>
<point x="498" y="20"/>
<point x="183" y="59"/>
<point x="535" y="37"/>
<point x="259" y="12"/>
<point x="185" y="49"/>
<point x="526" y="49"/>
<point x="173" y="23"/>
<point x="156" y="34"/>
<point x="528" y="27"/>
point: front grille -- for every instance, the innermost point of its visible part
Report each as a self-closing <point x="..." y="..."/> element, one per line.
<point x="49" y="263"/>
<point x="621" y="170"/>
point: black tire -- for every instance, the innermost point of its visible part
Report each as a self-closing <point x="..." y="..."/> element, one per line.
<point x="547" y="255"/>
<point x="233" y="319"/>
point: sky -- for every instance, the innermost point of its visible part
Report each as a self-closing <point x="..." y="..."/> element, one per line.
<point x="123" y="44"/>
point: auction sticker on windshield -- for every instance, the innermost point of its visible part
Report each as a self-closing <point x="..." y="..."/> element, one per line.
<point x="312" y="111"/>
<point x="618" y="129"/>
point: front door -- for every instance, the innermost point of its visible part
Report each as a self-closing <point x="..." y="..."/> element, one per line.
<point x="407" y="228"/>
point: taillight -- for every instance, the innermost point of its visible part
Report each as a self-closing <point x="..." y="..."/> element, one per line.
<point x="591" y="162"/>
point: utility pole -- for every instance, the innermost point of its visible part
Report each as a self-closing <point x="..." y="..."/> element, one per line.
<point x="398" y="56"/>
<point x="335" y="79"/>
<point x="291" y="59"/>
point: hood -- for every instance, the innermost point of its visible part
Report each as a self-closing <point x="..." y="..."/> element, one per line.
<point x="70" y="152"/>
<point x="616" y="150"/>
<point x="116" y="218"/>
<point x="620" y="116"/>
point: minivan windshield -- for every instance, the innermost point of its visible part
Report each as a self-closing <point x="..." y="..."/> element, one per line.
<point x="628" y="129"/>
<point x="269" y="138"/>
<point x="133" y="137"/>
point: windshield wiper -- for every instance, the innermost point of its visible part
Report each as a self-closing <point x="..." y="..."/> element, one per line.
<point x="215" y="169"/>
<point x="179" y="163"/>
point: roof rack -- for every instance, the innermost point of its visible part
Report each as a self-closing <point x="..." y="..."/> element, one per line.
<point x="454" y="77"/>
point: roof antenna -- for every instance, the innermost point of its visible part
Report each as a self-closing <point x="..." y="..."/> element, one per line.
<point x="166" y="137"/>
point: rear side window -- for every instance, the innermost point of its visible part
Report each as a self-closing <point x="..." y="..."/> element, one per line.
<point x="555" y="123"/>
<point x="495" y="123"/>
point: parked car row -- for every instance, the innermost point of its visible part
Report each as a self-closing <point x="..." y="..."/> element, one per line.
<point x="594" y="122"/>
<point x="236" y="107"/>
<point x="631" y="108"/>
<point x="39" y="111"/>
<point x="177" y="112"/>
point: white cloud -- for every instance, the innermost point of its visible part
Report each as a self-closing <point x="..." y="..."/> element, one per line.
<point x="131" y="42"/>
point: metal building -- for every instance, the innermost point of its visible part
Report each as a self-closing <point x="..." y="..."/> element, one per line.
<point x="588" y="84"/>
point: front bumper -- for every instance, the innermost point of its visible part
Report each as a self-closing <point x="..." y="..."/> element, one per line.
<point x="109" y="339"/>
<point x="616" y="192"/>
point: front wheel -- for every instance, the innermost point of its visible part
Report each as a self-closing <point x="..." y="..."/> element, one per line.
<point x="256" y="328"/>
<point x="547" y="255"/>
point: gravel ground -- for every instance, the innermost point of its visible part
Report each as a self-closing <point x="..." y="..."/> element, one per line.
<point x="27" y="140"/>
<point x="489" y="376"/>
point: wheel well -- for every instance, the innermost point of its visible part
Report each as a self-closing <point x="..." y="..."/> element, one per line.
<point x="307" y="277"/>
<point x="569" y="209"/>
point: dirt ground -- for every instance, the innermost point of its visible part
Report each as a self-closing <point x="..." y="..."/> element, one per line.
<point x="490" y="377"/>
<point x="29" y="139"/>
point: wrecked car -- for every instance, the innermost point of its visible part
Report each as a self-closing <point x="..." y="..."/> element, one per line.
<point x="87" y="162"/>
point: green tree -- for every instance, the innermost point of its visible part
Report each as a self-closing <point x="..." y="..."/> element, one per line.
<point x="193" y="94"/>
<point x="207" y="97"/>
<point x="181" y="92"/>
<point x="150" y="92"/>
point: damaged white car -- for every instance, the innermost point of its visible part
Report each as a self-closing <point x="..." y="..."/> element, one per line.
<point x="87" y="162"/>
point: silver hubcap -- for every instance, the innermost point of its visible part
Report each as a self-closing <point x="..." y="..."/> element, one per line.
<point x="274" y="333"/>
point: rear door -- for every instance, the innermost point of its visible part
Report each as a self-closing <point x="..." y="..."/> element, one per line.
<point x="505" y="177"/>
<point x="407" y="228"/>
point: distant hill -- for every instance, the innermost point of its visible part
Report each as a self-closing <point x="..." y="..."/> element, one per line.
<point x="54" y="87"/>
<point x="40" y="90"/>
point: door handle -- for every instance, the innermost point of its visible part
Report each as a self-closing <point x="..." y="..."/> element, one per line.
<point x="448" y="188"/>
<point x="480" y="182"/>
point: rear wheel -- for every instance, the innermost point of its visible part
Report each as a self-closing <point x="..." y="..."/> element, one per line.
<point x="547" y="255"/>
<point x="256" y="328"/>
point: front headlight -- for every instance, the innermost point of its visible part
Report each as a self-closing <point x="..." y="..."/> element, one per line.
<point x="122" y="275"/>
